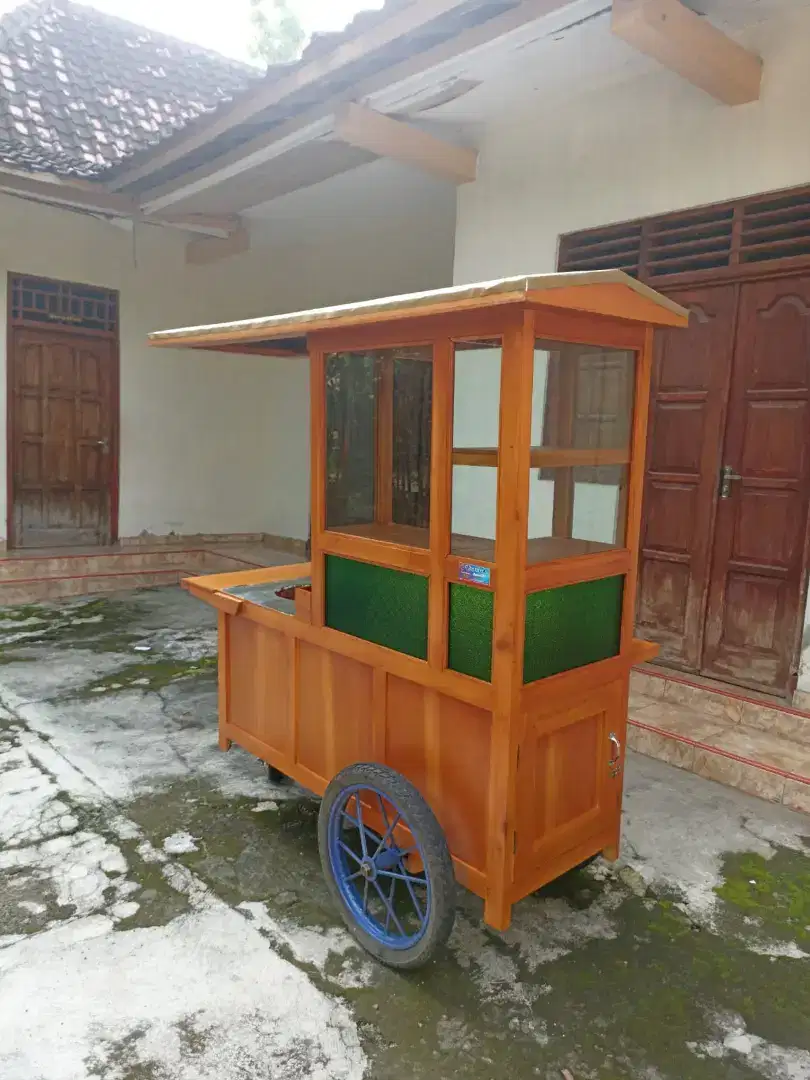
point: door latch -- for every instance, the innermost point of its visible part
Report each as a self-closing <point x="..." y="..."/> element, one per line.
<point x="727" y="474"/>
<point x="615" y="763"/>
<point x="104" y="444"/>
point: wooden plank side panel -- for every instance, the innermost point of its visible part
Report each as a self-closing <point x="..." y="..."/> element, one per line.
<point x="258" y="686"/>
<point x="334" y="700"/>
<point x="443" y="747"/>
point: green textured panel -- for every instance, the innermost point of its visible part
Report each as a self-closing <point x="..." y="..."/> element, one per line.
<point x="572" y="626"/>
<point x="470" y="631"/>
<point x="389" y="607"/>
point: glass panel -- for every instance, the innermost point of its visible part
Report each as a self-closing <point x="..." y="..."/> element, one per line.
<point x="378" y="434"/>
<point x="476" y="419"/>
<point x="470" y="631"/>
<point x="350" y="439"/>
<point x="572" y="626"/>
<point x="582" y="416"/>
<point x="389" y="607"/>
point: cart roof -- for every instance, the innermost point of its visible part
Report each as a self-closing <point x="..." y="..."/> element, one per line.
<point x="599" y="292"/>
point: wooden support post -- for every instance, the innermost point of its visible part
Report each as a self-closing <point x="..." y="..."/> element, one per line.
<point x="441" y="483"/>
<point x="317" y="394"/>
<point x="566" y="383"/>
<point x="635" y="484"/>
<point x="223" y="677"/>
<point x="517" y="365"/>
<point x="384" y="439"/>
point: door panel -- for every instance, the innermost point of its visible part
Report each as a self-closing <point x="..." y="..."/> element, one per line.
<point x="754" y="599"/>
<point x="62" y="409"/>
<point x="569" y="780"/>
<point x="689" y="396"/>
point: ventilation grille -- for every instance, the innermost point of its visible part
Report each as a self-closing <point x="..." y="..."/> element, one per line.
<point x="700" y="240"/>
<point x="776" y="228"/>
<point x="765" y="228"/>
<point x="617" y="247"/>
<point x="63" y="303"/>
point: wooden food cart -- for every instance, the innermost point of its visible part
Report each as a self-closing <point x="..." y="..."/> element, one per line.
<point x="450" y="671"/>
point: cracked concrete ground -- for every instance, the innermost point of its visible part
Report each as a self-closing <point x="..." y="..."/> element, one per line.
<point x="163" y="916"/>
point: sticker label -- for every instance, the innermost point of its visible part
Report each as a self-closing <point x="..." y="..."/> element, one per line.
<point x="477" y="575"/>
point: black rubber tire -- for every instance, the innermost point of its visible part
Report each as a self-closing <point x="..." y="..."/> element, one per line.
<point x="275" y="776"/>
<point x="428" y="834"/>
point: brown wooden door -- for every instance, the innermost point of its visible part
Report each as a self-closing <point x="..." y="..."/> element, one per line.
<point x="689" y="394"/>
<point x="61" y="432"/>
<point x="755" y="597"/>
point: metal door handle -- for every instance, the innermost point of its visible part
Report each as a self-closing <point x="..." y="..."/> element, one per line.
<point x="615" y="763"/>
<point x="104" y="444"/>
<point x="727" y="474"/>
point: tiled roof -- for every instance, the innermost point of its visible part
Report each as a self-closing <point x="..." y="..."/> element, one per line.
<point x="81" y="90"/>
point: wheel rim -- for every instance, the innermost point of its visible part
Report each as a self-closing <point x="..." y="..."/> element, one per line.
<point x="387" y="900"/>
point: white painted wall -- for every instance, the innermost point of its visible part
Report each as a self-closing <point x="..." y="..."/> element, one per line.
<point x="213" y="443"/>
<point x="643" y="147"/>
<point x="647" y="146"/>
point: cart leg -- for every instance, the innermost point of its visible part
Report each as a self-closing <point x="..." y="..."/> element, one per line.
<point x="224" y="742"/>
<point x="610" y="854"/>
<point x="497" y="913"/>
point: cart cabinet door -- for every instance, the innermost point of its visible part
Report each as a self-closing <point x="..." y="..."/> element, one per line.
<point x="569" y="779"/>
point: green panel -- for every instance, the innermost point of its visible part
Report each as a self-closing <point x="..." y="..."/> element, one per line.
<point x="470" y="631"/>
<point x="389" y="607"/>
<point x="572" y="626"/>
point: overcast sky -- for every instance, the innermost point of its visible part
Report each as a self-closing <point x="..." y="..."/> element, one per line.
<point x="219" y="24"/>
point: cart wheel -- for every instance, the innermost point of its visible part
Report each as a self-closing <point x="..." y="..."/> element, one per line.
<point x="398" y="913"/>
<point x="275" y="776"/>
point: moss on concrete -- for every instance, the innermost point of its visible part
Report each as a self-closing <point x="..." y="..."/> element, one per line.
<point x="99" y="625"/>
<point x="149" y="675"/>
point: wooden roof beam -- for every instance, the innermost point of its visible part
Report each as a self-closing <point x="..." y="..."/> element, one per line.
<point x="75" y="194"/>
<point x="209" y="249"/>
<point x="688" y="44"/>
<point x="369" y="130"/>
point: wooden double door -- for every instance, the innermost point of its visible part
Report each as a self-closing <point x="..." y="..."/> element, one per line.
<point x="724" y="535"/>
<point x="63" y="392"/>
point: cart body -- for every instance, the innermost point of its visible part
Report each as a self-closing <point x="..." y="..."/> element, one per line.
<point x="466" y="616"/>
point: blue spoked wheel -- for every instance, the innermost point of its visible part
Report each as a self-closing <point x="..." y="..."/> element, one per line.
<point x="387" y="865"/>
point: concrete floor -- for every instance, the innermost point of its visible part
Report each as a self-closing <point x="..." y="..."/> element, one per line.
<point x="163" y="916"/>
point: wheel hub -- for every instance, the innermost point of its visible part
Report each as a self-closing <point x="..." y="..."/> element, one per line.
<point x="368" y="869"/>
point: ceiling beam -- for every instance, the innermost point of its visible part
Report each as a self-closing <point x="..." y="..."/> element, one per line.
<point x="259" y="150"/>
<point x="381" y="135"/>
<point x="407" y="19"/>
<point x="689" y="45"/>
<point x="76" y="194"/>
<point x="209" y="249"/>
<point x="220" y="225"/>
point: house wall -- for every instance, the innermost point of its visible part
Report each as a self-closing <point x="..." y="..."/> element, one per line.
<point x="647" y="146"/>
<point x="214" y="443"/>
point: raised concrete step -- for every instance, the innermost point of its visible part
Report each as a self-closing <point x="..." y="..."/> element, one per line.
<point x="720" y="746"/>
<point x="710" y="699"/>
<point x="37" y="577"/>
